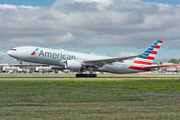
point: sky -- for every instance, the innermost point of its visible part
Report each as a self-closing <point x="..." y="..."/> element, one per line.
<point x="114" y="28"/>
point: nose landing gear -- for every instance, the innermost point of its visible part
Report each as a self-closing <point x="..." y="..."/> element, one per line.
<point x="20" y="62"/>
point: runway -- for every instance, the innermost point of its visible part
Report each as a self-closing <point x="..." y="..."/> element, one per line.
<point x="91" y="78"/>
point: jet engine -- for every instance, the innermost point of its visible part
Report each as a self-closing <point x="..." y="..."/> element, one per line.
<point x="73" y="65"/>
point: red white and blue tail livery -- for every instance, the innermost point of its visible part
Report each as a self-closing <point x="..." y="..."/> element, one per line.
<point x="144" y="62"/>
<point x="149" y="54"/>
<point x="63" y="59"/>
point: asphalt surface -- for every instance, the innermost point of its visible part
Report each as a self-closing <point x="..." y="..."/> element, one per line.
<point x="84" y="77"/>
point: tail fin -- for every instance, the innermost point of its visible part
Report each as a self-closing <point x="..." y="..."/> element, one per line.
<point x="149" y="55"/>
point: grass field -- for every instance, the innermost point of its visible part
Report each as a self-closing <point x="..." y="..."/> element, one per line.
<point x="95" y="98"/>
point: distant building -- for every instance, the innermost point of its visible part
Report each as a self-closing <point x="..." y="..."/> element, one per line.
<point x="174" y="68"/>
<point x="25" y="68"/>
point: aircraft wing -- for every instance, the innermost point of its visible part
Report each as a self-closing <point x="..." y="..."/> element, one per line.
<point x="101" y="62"/>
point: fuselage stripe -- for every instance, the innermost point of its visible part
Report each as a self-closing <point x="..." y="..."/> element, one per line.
<point x="142" y="62"/>
<point x="139" y="68"/>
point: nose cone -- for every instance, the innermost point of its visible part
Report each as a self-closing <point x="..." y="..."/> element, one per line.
<point x="9" y="53"/>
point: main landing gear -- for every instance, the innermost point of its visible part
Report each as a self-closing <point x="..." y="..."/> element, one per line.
<point x="86" y="75"/>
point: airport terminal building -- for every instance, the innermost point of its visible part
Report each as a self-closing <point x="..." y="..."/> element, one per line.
<point x="41" y="68"/>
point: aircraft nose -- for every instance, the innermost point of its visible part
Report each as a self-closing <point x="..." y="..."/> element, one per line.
<point x="12" y="52"/>
<point x="9" y="52"/>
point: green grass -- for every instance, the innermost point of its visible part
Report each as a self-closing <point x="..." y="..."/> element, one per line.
<point x="79" y="99"/>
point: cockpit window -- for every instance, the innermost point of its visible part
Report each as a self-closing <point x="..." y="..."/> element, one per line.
<point x="13" y="49"/>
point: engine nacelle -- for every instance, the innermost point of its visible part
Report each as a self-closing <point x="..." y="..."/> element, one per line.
<point x="73" y="65"/>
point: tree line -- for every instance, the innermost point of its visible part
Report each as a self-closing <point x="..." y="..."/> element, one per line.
<point x="175" y="61"/>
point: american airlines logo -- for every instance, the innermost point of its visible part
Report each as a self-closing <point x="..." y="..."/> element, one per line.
<point x="34" y="52"/>
<point x="57" y="55"/>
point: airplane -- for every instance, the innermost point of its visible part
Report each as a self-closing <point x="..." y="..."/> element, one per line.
<point x="63" y="59"/>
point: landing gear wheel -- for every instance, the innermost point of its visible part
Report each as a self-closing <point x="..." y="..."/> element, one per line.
<point x="90" y="75"/>
<point x="77" y="75"/>
<point x="94" y="75"/>
<point x="86" y="75"/>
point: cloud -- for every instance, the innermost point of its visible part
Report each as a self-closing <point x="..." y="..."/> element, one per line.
<point x="126" y="54"/>
<point x="161" y="59"/>
<point x="4" y="59"/>
<point x="177" y="56"/>
<point x="90" y="23"/>
<point x="93" y="53"/>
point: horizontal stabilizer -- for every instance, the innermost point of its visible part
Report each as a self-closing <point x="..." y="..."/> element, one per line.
<point x="159" y="66"/>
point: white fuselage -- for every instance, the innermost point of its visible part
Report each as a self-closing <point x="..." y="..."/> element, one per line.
<point x="58" y="58"/>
